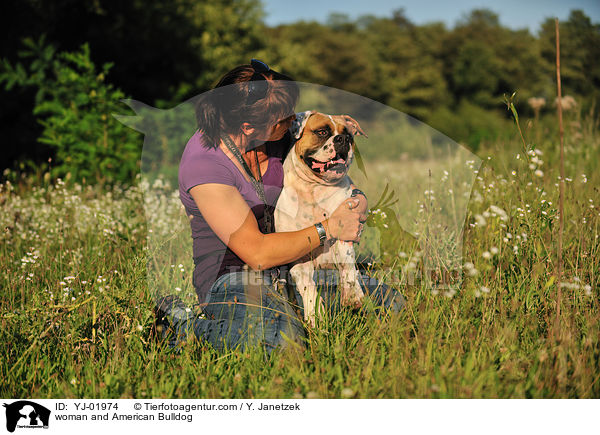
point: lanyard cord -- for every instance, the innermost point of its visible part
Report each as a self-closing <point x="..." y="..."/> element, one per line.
<point x="257" y="184"/>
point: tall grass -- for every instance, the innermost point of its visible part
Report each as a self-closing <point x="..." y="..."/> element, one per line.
<point x="77" y="316"/>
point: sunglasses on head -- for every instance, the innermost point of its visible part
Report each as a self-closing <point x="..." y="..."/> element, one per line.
<point x="257" y="85"/>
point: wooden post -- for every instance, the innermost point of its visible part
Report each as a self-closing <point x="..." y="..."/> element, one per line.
<point x="561" y="197"/>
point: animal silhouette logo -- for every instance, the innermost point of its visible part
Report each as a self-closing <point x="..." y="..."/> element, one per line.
<point x="26" y="414"/>
<point x="419" y="180"/>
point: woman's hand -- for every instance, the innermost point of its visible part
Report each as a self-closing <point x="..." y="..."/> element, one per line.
<point x="344" y="223"/>
<point x="363" y="207"/>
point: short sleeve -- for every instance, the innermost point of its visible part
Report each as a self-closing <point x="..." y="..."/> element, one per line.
<point x="200" y="168"/>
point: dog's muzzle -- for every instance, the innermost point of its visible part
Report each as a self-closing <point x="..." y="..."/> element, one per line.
<point x="337" y="164"/>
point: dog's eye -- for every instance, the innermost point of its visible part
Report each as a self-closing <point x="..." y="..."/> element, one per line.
<point x="322" y="132"/>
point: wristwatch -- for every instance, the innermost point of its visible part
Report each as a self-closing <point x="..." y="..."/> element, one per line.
<point x="322" y="233"/>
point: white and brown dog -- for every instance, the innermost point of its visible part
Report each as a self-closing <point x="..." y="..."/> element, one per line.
<point x="315" y="184"/>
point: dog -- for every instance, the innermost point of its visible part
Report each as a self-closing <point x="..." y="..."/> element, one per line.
<point x="315" y="183"/>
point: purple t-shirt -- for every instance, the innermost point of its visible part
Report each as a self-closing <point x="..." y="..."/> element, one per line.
<point x="202" y="165"/>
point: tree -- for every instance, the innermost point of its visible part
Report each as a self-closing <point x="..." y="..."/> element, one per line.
<point x="74" y="105"/>
<point x="579" y="52"/>
<point x="408" y="75"/>
<point x="483" y="60"/>
<point x="320" y="54"/>
<point x="162" y="52"/>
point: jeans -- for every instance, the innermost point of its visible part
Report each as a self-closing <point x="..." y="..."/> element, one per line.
<point x="242" y="310"/>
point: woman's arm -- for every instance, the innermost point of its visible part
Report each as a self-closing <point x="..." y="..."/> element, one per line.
<point x="229" y="216"/>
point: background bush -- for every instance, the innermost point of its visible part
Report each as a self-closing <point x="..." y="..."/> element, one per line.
<point x="74" y="103"/>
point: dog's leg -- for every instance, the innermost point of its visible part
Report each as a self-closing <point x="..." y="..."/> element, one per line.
<point x="350" y="289"/>
<point x="302" y="273"/>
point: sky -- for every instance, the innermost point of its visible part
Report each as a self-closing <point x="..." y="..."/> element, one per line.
<point x="512" y="13"/>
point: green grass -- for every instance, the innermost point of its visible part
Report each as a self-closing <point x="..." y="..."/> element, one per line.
<point x="493" y="338"/>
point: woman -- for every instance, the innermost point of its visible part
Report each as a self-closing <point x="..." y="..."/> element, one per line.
<point x="230" y="177"/>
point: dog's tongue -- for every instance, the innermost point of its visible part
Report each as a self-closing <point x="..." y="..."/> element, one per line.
<point x="320" y="166"/>
<point x="324" y="166"/>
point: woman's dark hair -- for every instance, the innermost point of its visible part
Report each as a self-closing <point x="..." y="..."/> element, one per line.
<point x="260" y="98"/>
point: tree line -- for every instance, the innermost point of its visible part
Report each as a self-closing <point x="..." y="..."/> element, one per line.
<point x="163" y="53"/>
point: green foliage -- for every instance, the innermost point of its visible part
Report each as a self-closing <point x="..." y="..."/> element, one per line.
<point x="474" y="75"/>
<point x="579" y="53"/>
<point x="77" y="316"/>
<point x="330" y="56"/>
<point x="408" y="75"/>
<point x="222" y="34"/>
<point x="74" y="105"/>
<point x="453" y="79"/>
<point x="472" y="124"/>
<point x="167" y="52"/>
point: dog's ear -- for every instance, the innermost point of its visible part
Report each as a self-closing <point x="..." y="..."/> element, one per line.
<point x="353" y="126"/>
<point x="299" y="123"/>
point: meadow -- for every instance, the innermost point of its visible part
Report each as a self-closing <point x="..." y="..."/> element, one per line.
<point x="77" y="311"/>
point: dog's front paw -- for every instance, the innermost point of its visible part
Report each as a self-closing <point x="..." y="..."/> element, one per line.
<point x="312" y="311"/>
<point x="352" y="296"/>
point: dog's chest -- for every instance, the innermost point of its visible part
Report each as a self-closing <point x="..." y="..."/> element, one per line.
<point x="316" y="202"/>
<point x="304" y="201"/>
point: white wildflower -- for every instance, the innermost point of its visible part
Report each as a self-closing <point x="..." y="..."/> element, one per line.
<point x="499" y="212"/>
<point x="570" y="285"/>
<point x="480" y="220"/>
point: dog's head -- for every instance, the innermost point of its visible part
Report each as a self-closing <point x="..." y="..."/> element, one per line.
<point x="325" y="146"/>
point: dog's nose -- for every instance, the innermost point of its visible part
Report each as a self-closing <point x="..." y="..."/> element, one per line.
<point x="340" y="138"/>
<point x="342" y="142"/>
